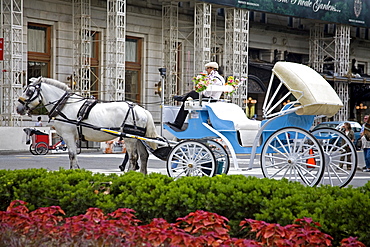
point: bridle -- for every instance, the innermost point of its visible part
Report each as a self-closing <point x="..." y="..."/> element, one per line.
<point x="33" y="91"/>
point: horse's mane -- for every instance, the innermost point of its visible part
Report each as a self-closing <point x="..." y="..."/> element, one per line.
<point x="56" y="83"/>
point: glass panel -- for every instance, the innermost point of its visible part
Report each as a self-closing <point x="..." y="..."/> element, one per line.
<point x="36" y="39"/>
<point x="131" y="86"/>
<point x="36" y="69"/>
<point x="131" y="50"/>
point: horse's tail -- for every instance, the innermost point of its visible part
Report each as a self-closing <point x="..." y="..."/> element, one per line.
<point x="150" y="129"/>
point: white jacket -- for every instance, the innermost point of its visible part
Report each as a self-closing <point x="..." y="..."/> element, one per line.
<point x="216" y="79"/>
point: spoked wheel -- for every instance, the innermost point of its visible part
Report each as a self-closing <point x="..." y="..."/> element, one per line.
<point x="221" y="156"/>
<point x="294" y="154"/>
<point x="191" y="158"/>
<point x="32" y="149"/>
<point x="41" y="148"/>
<point x="340" y="156"/>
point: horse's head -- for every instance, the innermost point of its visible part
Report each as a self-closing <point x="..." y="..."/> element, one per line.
<point x="31" y="97"/>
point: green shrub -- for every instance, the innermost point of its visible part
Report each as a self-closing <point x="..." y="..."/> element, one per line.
<point x="342" y="212"/>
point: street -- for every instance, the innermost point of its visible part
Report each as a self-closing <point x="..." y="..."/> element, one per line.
<point x="96" y="161"/>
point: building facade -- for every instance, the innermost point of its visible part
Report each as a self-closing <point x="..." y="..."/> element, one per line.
<point x="112" y="50"/>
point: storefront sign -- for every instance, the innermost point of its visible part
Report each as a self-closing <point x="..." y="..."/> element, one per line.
<point x="1" y="49"/>
<point x="350" y="12"/>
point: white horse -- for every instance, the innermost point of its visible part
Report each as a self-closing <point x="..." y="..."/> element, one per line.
<point x="78" y="117"/>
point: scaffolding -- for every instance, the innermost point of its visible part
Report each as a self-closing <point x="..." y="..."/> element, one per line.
<point x="335" y="52"/>
<point x="342" y="47"/>
<point x="202" y="34"/>
<point x="316" y="46"/>
<point x="11" y="79"/>
<point x="236" y="50"/>
<point x="170" y="49"/>
<point x="217" y="40"/>
<point x="342" y="90"/>
<point x="82" y="47"/>
<point x="342" y="43"/>
<point x="115" y="47"/>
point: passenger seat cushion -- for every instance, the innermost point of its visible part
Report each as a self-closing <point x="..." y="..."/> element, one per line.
<point x="231" y="114"/>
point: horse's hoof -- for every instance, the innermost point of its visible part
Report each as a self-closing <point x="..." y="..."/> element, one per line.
<point x="137" y="167"/>
<point x="122" y="168"/>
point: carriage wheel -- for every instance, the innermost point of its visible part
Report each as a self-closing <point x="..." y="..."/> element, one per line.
<point x="221" y="156"/>
<point x="294" y="154"/>
<point x="41" y="148"/>
<point x="32" y="149"/>
<point x="191" y="158"/>
<point x="340" y="156"/>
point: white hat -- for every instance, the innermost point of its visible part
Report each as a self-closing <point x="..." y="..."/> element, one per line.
<point x="212" y="65"/>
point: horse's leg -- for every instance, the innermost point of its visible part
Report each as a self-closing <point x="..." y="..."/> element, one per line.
<point x="132" y="153"/>
<point x="72" y="151"/>
<point x="144" y="156"/>
<point x="124" y="162"/>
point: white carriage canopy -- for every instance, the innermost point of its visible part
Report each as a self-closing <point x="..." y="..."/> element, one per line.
<point x="313" y="92"/>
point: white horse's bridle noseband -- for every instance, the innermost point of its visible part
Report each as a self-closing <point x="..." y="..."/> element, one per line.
<point x="33" y="91"/>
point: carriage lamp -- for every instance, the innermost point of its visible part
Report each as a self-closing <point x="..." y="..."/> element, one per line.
<point x="360" y="108"/>
<point x="250" y="108"/>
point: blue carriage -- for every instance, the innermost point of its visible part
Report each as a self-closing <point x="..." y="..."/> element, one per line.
<point x="282" y="142"/>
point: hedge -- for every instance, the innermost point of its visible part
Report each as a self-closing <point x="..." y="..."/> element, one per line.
<point x="342" y="212"/>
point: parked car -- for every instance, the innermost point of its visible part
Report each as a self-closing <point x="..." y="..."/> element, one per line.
<point x="356" y="127"/>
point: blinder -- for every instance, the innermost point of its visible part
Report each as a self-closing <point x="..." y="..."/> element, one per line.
<point x="32" y="92"/>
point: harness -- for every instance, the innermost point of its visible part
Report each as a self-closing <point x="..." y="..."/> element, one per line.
<point x="83" y="113"/>
<point x="85" y="109"/>
<point x="59" y="105"/>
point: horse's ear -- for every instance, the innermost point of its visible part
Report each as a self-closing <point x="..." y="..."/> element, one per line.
<point x="33" y="79"/>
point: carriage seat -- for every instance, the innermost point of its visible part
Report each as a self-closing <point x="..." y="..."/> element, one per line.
<point x="230" y="117"/>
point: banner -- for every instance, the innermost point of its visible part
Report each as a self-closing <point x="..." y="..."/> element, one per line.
<point x="1" y="49"/>
<point x="350" y="12"/>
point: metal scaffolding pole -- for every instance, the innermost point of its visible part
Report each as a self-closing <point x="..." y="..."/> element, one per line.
<point x="322" y="49"/>
<point x="11" y="77"/>
<point x="202" y="35"/>
<point x="116" y="42"/>
<point x="170" y="49"/>
<point x="236" y="50"/>
<point x="342" y="46"/>
<point x="342" y="42"/>
<point x="217" y="40"/>
<point x="342" y="90"/>
<point x="316" y="46"/>
<point x="82" y="46"/>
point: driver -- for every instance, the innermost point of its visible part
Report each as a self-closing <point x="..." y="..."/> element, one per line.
<point x="212" y="73"/>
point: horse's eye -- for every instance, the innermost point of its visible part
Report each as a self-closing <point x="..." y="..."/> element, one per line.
<point x="30" y="91"/>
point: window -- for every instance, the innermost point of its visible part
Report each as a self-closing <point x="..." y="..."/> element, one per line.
<point x="94" y="64"/>
<point x="38" y="48"/>
<point x="39" y="54"/>
<point x="133" y="69"/>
